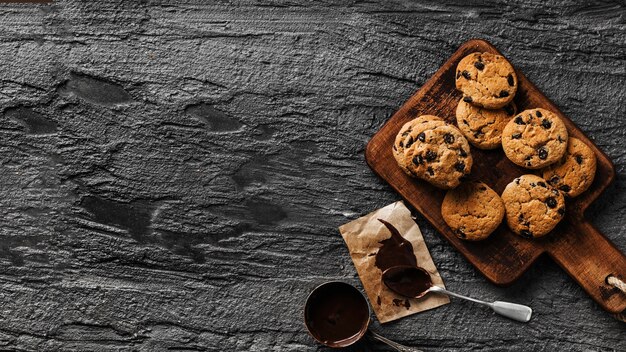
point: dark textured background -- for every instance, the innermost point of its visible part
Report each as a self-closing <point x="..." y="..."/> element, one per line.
<point x="173" y="174"/>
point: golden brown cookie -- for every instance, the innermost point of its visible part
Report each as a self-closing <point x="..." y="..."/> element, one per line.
<point x="574" y="173"/>
<point x="486" y="80"/>
<point x="483" y="127"/>
<point x="408" y="133"/>
<point x="439" y="155"/>
<point x="535" y="138"/>
<point x="472" y="210"/>
<point x="398" y="144"/>
<point x="533" y="207"/>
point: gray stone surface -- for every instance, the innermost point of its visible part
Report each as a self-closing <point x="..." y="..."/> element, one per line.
<point x="173" y="173"/>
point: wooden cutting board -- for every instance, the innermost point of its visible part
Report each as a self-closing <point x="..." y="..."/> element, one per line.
<point x="578" y="247"/>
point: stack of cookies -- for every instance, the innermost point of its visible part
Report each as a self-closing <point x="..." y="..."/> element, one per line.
<point x="430" y="149"/>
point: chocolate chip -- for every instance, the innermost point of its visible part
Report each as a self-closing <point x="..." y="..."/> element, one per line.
<point x="510" y="79"/>
<point x="520" y="217"/>
<point x="516" y="136"/>
<point x="449" y="138"/>
<point x="467" y="99"/>
<point x="466" y="74"/>
<point x="555" y="192"/>
<point x="503" y="94"/>
<point x="430" y="155"/>
<point x="543" y="153"/>
<point x="458" y="74"/>
<point x="408" y="142"/>
<point x="394" y="148"/>
<point x="459" y="166"/>
<point x="579" y="159"/>
<point x="565" y="188"/>
<point x="430" y="170"/>
<point x="526" y="234"/>
<point x="401" y="144"/>
<point x="546" y="124"/>
<point x="479" y="65"/>
<point x="509" y="110"/>
<point x="518" y="120"/>
<point x="421" y="137"/>
<point x="560" y="139"/>
<point x="460" y="233"/>
<point x="462" y="153"/>
<point x="477" y="133"/>
<point x="529" y="164"/>
<point x="542" y="184"/>
<point x="517" y="181"/>
<point x="561" y="211"/>
<point x="551" y="202"/>
<point x="418" y="160"/>
<point x="538" y="113"/>
<point x="532" y="184"/>
<point x="554" y="179"/>
<point x="465" y="122"/>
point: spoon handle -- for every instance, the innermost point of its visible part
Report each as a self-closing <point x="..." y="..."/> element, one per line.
<point x="443" y="290"/>
<point x="397" y="346"/>
<point x="510" y="310"/>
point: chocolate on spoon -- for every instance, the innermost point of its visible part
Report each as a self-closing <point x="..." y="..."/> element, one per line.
<point x="408" y="281"/>
<point x="415" y="282"/>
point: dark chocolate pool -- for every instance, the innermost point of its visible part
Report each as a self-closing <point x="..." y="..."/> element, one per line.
<point x="336" y="314"/>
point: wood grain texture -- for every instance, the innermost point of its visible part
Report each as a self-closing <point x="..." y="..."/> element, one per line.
<point x="503" y="257"/>
<point x="174" y="173"/>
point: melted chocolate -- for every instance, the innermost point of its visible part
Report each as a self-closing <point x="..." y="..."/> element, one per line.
<point x="395" y="250"/>
<point x="336" y="314"/>
<point x="408" y="281"/>
<point x="402" y="302"/>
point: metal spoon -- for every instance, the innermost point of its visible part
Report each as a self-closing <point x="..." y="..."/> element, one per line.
<point x="415" y="282"/>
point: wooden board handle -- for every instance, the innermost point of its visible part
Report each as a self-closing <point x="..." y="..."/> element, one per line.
<point x="589" y="258"/>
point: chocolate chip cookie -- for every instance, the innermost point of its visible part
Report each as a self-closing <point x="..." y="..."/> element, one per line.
<point x="398" y="144"/>
<point x="472" y="210"/>
<point x="574" y="173"/>
<point x="533" y="207"/>
<point x="486" y="80"/>
<point x="439" y="155"/>
<point x="483" y="127"/>
<point x="534" y="139"/>
<point x="408" y="134"/>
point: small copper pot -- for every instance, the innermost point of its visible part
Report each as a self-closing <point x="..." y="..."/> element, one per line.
<point x="347" y="341"/>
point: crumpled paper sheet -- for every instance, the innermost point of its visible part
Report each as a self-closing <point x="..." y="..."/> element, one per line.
<point x="362" y="237"/>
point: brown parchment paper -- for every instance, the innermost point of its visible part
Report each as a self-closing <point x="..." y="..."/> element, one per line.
<point x="362" y="237"/>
